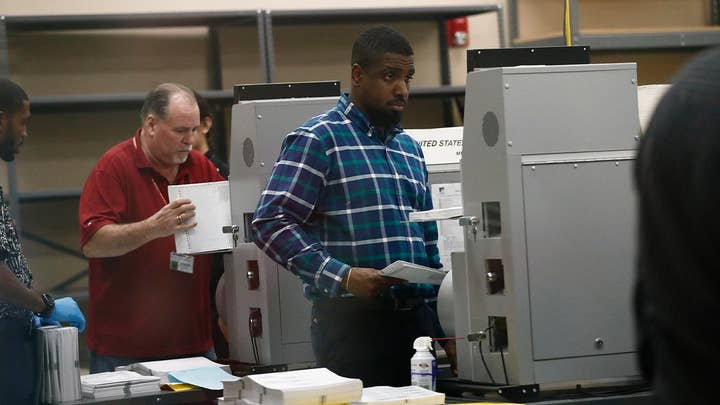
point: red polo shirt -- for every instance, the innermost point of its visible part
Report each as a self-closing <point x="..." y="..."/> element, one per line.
<point x="138" y="306"/>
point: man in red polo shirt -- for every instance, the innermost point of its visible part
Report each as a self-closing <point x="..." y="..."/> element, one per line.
<point x="141" y="309"/>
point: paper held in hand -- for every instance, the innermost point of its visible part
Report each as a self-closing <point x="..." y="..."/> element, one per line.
<point x="436" y="214"/>
<point x="212" y="213"/>
<point x="414" y="273"/>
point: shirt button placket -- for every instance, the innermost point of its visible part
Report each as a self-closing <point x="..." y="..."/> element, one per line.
<point x="396" y="180"/>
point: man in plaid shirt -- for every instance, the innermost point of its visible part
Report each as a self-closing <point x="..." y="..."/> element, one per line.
<point x="335" y="210"/>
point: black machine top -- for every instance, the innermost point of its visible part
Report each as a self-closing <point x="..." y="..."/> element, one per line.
<point x="271" y="91"/>
<point x="544" y="55"/>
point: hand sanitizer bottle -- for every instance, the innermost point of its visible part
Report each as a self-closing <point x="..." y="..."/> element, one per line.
<point x="423" y="368"/>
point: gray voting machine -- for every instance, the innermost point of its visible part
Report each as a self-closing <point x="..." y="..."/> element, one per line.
<point x="543" y="290"/>
<point x="268" y="316"/>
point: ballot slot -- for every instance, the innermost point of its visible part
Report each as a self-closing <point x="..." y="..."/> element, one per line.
<point x="495" y="276"/>
<point x="491" y="223"/>
<point x="253" y="275"/>
<point x="247" y="219"/>
<point x="498" y="333"/>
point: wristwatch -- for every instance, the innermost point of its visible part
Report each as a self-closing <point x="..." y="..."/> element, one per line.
<point x="49" y="302"/>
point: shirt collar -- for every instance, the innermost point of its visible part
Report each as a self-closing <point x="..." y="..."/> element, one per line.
<point x="141" y="160"/>
<point x="360" y="120"/>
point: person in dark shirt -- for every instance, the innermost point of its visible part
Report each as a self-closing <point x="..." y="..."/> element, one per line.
<point x="18" y="300"/>
<point x="677" y="297"/>
<point x="203" y="141"/>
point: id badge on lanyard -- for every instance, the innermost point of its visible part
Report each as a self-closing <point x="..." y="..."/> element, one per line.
<point x="181" y="263"/>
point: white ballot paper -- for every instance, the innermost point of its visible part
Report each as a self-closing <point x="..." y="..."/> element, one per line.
<point x="410" y="395"/>
<point x="163" y="368"/>
<point x="58" y="376"/>
<point x="414" y="273"/>
<point x="437" y="214"/>
<point x="117" y="383"/>
<point x="212" y="213"/>
<point x="315" y="386"/>
<point x="649" y="97"/>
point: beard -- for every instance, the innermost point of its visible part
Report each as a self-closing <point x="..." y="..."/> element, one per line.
<point x="180" y="158"/>
<point x="383" y="118"/>
<point x="7" y="147"/>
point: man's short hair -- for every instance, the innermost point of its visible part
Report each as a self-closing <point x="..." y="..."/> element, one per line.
<point x="158" y="99"/>
<point x="12" y="96"/>
<point x="372" y="44"/>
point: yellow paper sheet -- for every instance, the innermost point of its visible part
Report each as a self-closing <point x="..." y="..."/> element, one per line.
<point x="180" y="386"/>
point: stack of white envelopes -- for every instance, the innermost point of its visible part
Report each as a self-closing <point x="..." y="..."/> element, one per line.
<point x="118" y="383"/>
<point x="58" y="364"/>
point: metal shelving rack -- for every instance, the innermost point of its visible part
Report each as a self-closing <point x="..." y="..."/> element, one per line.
<point x="625" y="39"/>
<point x="113" y="101"/>
<point x="263" y="19"/>
<point x="437" y="14"/>
<point x="116" y="101"/>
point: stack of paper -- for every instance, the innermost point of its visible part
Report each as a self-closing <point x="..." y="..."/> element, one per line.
<point x="649" y="97"/>
<point x="410" y="395"/>
<point x="211" y="378"/>
<point x="212" y="213"/>
<point x="163" y="368"/>
<point x="436" y="214"/>
<point x="316" y="386"/>
<point x="118" y="383"/>
<point x="59" y="364"/>
<point x="414" y="273"/>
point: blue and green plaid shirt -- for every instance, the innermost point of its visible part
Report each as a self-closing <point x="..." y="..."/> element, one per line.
<point x="339" y="196"/>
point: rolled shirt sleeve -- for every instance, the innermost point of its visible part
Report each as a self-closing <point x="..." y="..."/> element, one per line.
<point x="100" y="204"/>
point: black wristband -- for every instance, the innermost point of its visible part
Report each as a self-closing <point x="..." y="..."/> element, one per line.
<point x="49" y="302"/>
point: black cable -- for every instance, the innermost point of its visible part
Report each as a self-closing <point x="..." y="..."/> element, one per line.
<point x="487" y="369"/>
<point x="250" y="336"/>
<point x="255" y="349"/>
<point x="253" y="346"/>
<point x="502" y="357"/>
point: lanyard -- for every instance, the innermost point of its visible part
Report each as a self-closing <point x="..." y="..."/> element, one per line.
<point x="165" y="202"/>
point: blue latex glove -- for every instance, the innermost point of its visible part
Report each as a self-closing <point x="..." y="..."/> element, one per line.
<point x="66" y="310"/>
<point x="38" y="322"/>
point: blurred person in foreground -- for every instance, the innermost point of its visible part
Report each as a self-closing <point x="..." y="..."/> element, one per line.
<point x="677" y="297"/>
